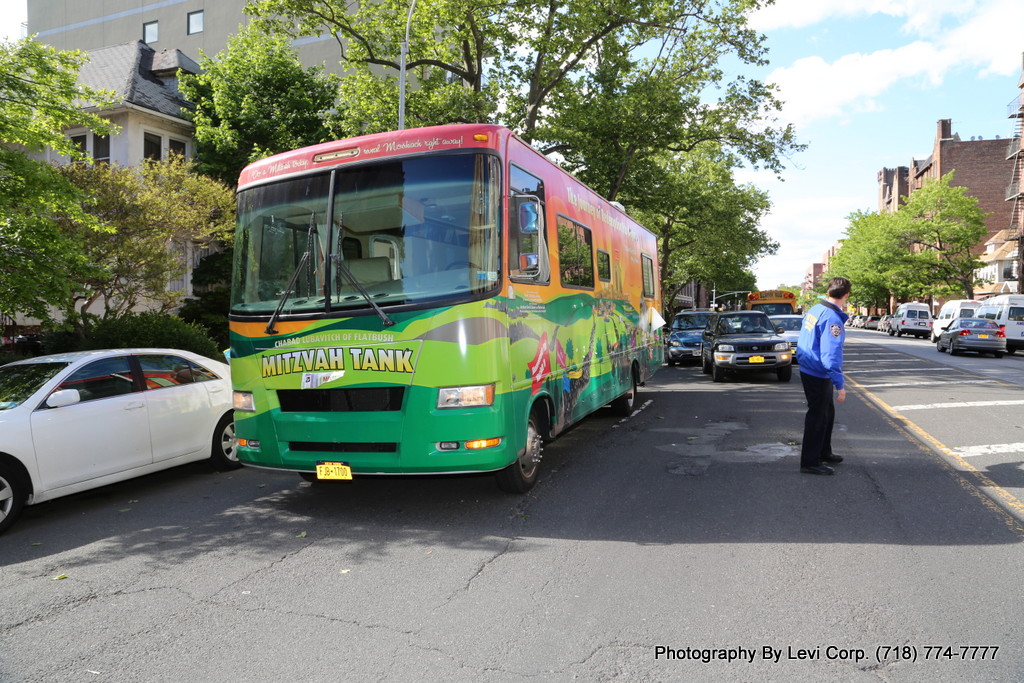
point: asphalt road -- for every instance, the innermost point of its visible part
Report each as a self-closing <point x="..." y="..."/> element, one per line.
<point x="682" y="534"/>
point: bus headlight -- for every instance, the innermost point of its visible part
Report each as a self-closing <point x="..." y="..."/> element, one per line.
<point x="465" y="397"/>
<point x="242" y="400"/>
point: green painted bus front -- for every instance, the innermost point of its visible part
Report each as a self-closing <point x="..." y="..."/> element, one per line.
<point x="357" y="390"/>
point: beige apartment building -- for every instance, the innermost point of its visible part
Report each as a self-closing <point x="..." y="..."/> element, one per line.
<point x="195" y="27"/>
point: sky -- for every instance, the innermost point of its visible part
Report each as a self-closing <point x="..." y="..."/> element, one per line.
<point x="864" y="83"/>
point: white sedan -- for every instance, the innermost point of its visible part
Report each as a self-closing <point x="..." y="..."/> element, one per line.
<point x="75" y="421"/>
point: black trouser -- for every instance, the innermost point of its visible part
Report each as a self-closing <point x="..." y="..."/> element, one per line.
<point x="821" y="415"/>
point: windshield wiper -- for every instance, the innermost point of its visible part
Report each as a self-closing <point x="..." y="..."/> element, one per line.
<point x="343" y="269"/>
<point x="310" y="241"/>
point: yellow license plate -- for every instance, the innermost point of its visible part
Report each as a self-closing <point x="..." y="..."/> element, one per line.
<point x="333" y="470"/>
<point x="757" y="359"/>
<point x="982" y="336"/>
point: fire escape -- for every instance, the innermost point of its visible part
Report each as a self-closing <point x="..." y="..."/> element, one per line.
<point x="1015" y="191"/>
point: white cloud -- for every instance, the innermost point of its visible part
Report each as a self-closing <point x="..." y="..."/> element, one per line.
<point x="920" y="16"/>
<point x="987" y="41"/>
<point x="813" y="88"/>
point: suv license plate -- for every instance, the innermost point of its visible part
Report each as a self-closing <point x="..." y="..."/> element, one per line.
<point x="757" y="359"/>
<point x="333" y="470"/>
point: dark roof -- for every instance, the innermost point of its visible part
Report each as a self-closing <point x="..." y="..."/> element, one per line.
<point x="139" y="75"/>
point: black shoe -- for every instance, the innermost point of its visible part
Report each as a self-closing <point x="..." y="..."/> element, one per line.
<point x="832" y="459"/>
<point x="817" y="469"/>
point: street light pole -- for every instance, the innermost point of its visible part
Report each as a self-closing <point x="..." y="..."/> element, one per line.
<point x="401" y="69"/>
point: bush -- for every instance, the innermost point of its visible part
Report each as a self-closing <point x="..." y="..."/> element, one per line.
<point x="151" y="329"/>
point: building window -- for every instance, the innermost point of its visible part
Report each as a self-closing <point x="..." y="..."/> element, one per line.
<point x="79" y="141"/>
<point x="150" y="32"/>
<point x="195" y="22"/>
<point x="151" y="145"/>
<point x="101" y="148"/>
<point x="176" y="147"/>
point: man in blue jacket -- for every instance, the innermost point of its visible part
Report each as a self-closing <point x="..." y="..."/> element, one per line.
<point x="820" y="354"/>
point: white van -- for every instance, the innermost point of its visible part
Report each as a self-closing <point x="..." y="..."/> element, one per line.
<point x="1008" y="311"/>
<point x="950" y="311"/>
<point x="911" y="318"/>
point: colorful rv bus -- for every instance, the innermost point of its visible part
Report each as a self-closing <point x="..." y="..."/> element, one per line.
<point x="772" y="302"/>
<point x="433" y="300"/>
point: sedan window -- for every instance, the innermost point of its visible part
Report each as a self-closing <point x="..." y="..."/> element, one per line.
<point x="167" y="371"/>
<point x="101" y="379"/>
<point x="18" y="382"/>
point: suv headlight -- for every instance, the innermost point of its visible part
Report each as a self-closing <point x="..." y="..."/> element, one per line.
<point x="725" y="347"/>
<point x="782" y="346"/>
<point x="675" y="342"/>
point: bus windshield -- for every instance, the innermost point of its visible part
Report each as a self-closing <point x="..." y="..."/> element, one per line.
<point x="408" y="231"/>
<point x="773" y="308"/>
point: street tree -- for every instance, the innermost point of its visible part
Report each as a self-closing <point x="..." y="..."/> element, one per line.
<point x="254" y="99"/>
<point x="939" y="225"/>
<point x="151" y="214"/>
<point x="923" y="250"/>
<point x="39" y="99"/>
<point x="707" y="225"/>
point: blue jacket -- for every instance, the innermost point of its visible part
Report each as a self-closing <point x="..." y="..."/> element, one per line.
<point x="820" y="347"/>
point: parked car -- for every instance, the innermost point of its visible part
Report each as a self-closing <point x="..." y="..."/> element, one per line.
<point x="683" y="343"/>
<point x="884" y="322"/>
<point x="75" y="421"/>
<point x="790" y="329"/>
<point x="972" y="334"/>
<point x="744" y="341"/>
<point x="871" y="322"/>
<point x="911" y="318"/>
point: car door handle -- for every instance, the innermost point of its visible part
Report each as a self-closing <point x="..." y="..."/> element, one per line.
<point x="135" y="406"/>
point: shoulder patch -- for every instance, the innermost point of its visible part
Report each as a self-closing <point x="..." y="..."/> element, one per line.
<point x="836" y="330"/>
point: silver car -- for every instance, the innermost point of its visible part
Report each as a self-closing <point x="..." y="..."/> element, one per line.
<point x="972" y="334"/>
<point x="790" y="325"/>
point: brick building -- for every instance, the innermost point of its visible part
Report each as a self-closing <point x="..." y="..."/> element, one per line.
<point x="979" y="165"/>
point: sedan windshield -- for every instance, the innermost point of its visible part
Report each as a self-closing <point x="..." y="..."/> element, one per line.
<point x="690" y="322"/>
<point x="18" y="382"/>
<point x="789" y="324"/>
<point x="406" y="231"/>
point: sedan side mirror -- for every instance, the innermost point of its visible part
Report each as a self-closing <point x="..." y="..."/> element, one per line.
<point x="64" y="397"/>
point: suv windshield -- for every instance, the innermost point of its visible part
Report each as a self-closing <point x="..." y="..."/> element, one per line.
<point x="745" y="324"/>
<point x="18" y="382"/>
<point x="690" y="321"/>
<point x="410" y="230"/>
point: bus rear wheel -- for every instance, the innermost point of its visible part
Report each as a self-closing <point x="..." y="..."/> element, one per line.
<point x="520" y="476"/>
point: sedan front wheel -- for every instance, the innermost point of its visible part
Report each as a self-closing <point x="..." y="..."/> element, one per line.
<point x="224" y="447"/>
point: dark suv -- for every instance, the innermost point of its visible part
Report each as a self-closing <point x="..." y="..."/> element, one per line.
<point x="744" y="341"/>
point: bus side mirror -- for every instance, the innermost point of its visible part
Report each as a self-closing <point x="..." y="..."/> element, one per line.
<point x="529" y="218"/>
<point x="529" y="264"/>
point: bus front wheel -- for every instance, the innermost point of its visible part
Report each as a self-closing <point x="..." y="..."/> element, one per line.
<point x="520" y="476"/>
<point x="624" y="405"/>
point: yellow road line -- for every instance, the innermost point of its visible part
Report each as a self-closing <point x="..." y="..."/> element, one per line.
<point x="1007" y="501"/>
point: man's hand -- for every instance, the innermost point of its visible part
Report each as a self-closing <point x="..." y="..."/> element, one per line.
<point x="841" y="395"/>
